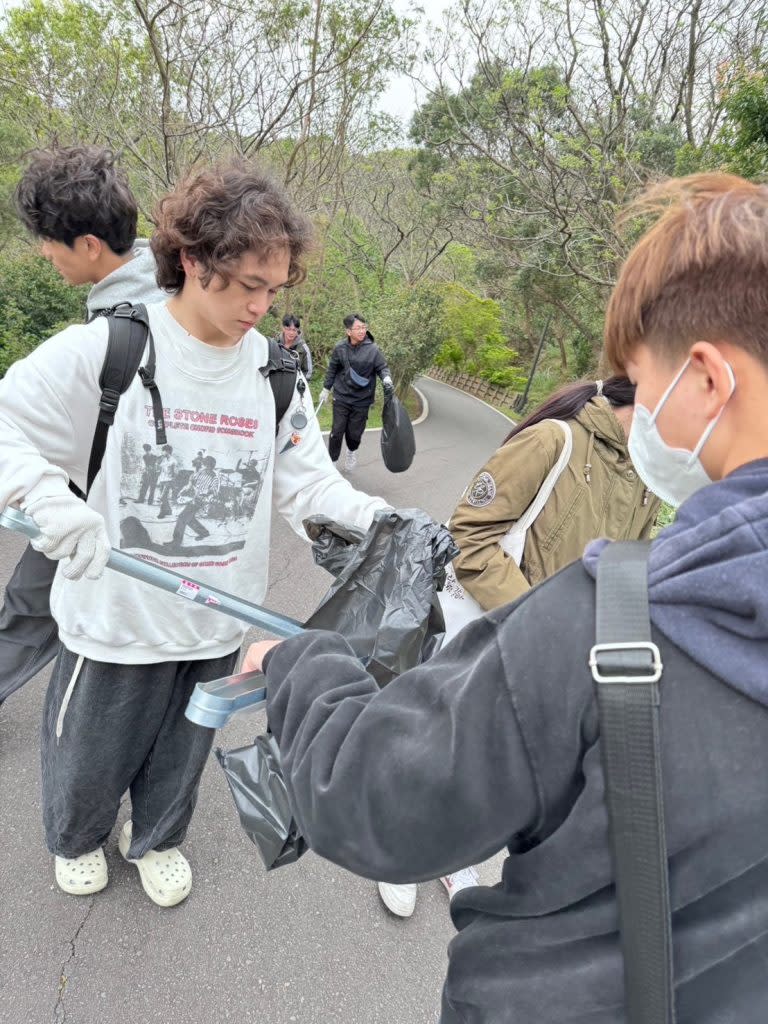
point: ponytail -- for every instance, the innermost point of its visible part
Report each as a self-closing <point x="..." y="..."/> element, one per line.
<point x="570" y="400"/>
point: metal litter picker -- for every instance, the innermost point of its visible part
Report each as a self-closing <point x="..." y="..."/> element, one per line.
<point x="213" y="703"/>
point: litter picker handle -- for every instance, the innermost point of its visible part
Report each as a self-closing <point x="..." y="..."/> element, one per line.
<point x="164" y="579"/>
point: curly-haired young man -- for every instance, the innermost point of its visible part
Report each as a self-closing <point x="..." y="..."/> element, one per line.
<point x="227" y="241"/>
<point x="77" y="202"/>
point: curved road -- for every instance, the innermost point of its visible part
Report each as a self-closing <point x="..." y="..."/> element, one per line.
<point x="307" y="943"/>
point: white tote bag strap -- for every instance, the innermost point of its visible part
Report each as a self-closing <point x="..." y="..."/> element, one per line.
<point x="513" y="543"/>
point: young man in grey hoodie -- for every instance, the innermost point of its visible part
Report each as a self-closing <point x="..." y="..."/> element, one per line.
<point x="496" y="742"/>
<point x="78" y="203"/>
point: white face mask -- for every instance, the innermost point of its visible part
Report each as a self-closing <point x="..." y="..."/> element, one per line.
<point x="673" y="474"/>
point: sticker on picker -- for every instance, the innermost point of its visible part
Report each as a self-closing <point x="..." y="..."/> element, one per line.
<point x="188" y="589"/>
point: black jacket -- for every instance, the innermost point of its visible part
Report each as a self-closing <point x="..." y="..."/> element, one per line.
<point x="495" y="743"/>
<point x="367" y="360"/>
<point x="301" y="352"/>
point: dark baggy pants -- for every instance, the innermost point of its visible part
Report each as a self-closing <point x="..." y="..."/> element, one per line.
<point x="348" y="425"/>
<point x="124" y="728"/>
<point x="29" y="638"/>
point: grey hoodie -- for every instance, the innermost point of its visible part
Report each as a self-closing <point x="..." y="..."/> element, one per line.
<point x="495" y="743"/>
<point x="134" y="281"/>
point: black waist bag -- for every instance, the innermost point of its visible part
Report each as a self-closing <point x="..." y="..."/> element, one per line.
<point x="398" y="444"/>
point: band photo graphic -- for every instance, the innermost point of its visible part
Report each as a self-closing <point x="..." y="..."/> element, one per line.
<point x="183" y="500"/>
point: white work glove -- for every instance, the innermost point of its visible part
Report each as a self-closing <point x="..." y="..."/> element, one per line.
<point x="388" y="386"/>
<point x="70" y="530"/>
<point x="325" y="394"/>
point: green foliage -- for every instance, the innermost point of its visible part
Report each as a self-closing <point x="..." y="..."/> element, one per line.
<point x="410" y="327"/>
<point x="474" y="341"/>
<point x="34" y="304"/>
<point x="746" y="131"/>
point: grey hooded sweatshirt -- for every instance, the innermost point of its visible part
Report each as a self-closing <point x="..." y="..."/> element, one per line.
<point x="134" y="282"/>
<point x="495" y="743"/>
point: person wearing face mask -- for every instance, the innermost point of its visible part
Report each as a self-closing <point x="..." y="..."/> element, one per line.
<point x="496" y="741"/>
<point x="562" y="477"/>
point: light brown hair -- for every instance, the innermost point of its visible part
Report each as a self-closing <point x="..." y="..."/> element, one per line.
<point x="700" y="273"/>
<point x="218" y="214"/>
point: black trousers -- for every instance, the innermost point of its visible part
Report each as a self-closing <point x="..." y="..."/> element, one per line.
<point x="348" y="424"/>
<point x="29" y="638"/>
<point x="122" y="728"/>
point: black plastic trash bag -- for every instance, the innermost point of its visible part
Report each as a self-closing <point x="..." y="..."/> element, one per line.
<point x="332" y="543"/>
<point x="398" y="445"/>
<point x="384" y="602"/>
<point x="258" y="789"/>
<point x="384" y="599"/>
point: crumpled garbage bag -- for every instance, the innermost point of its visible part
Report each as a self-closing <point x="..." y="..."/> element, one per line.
<point x="384" y="598"/>
<point x="398" y="444"/>
<point x="258" y="789"/>
<point x="384" y="602"/>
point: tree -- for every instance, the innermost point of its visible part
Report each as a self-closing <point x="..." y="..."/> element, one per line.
<point x="410" y="329"/>
<point x="543" y="119"/>
<point x="34" y="304"/>
<point x="173" y="82"/>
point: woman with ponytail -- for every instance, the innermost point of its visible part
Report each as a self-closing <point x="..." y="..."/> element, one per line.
<point x="598" y="493"/>
<point x="561" y="478"/>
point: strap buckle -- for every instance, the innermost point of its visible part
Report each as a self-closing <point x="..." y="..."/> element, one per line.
<point x="146" y="377"/>
<point x="109" y="401"/>
<point x="619" y="674"/>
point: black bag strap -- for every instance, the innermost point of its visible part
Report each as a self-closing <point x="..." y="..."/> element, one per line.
<point x="282" y="372"/>
<point x="626" y="666"/>
<point x="128" y="335"/>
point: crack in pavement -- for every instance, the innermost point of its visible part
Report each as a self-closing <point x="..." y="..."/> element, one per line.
<point x="59" y="1010"/>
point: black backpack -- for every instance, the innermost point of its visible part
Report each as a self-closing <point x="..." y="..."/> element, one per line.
<point x="128" y="335"/>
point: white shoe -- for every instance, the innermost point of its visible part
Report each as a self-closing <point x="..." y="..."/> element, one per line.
<point x="464" y="879"/>
<point x="350" y="461"/>
<point x="400" y="899"/>
<point x="165" y="874"/>
<point x="80" y="876"/>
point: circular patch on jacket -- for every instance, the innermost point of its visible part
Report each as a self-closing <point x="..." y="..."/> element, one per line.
<point x="483" y="491"/>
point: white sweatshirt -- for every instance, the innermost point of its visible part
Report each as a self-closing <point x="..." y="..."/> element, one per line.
<point x="203" y="521"/>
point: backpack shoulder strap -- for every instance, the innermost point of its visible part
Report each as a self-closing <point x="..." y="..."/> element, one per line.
<point x="282" y="371"/>
<point x="626" y="666"/>
<point x="125" y="348"/>
<point x="127" y="341"/>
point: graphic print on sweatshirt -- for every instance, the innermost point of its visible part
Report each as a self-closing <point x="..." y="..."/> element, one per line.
<point x="194" y="497"/>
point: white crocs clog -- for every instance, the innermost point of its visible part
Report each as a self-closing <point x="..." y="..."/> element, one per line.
<point x="165" y="874"/>
<point x="81" y="876"/>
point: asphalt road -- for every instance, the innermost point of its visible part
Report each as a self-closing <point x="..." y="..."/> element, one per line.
<point x="308" y="943"/>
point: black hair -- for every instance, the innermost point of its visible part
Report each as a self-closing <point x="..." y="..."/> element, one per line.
<point x="167" y="449"/>
<point x="570" y="400"/>
<point x="292" y="321"/>
<point x="147" y="447"/>
<point x="349" y="320"/>
<point x="209" y="460"/>
<point x="80" y="190"/>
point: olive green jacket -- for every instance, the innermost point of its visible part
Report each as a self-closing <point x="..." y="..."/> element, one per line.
<point x="598" y="494"/>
